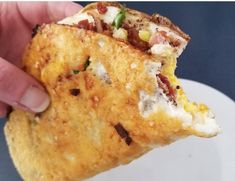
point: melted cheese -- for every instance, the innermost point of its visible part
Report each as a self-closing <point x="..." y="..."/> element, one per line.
<point x="111" y="13"/>
<point x="160" y="49"/>
<point x="205" y="123"/>
<point x="153" y="68"/>
<point x="76" y="18"/>
<point x="151" y="104"/>
<point x="102" y="73"/>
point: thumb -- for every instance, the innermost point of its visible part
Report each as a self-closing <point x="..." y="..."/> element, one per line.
<point x="20" y="90"/>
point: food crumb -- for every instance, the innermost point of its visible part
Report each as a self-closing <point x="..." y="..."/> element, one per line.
<point x="74" y="92"/>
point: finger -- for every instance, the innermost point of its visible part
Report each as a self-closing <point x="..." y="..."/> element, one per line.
<point x="3" y="110"/>
<point x="20" y="90"/>
<point x="45" y="12"/>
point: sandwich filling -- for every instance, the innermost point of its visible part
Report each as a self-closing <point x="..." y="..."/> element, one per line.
<point x="129" y="27"/>
<point x="156" y="39"/>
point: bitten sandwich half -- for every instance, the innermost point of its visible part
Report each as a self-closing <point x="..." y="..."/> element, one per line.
<point x="109" y="71"/>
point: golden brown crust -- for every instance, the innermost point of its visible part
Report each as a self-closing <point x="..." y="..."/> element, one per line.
<point x="76" y="137"/>
<point x="156" y="18"/>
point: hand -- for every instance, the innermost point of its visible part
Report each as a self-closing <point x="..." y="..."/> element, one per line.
<point x="16" y="23"/>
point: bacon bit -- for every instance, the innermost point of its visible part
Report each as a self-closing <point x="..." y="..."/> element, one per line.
<point x="74" y="92"/>
<point x="97" y="20"/>
<point x="88" y="82"/>
<point x="164" y="83"/>
<point x="164" y="34"/>
<point x="98" y="23"/>
<point x="107" y="30"/>
<point x="35" y="30"/>
<point x="84" y="24"/>
<point x="157" y="38"/>
<point x="175" y="43"/>
<point x="102" y="9"/>
<point x="134" y="39"/>
<point x="122" y="132"/>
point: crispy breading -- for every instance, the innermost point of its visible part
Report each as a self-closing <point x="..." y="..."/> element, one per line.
<point x="93" y="123"/>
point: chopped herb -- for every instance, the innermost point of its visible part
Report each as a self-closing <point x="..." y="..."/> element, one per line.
<point x="76" y="71"/>
<point x="35" y="30"/>
<point x="119" y="18"/>
<point x="74" y="92"/>
<point x="82" y="67"/>
<point x="128" y="140"/>
<point x="87" y="63"/>
<point x="121" y="131"/>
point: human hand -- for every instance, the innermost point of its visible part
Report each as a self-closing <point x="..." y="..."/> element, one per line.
<point x="17" y="20"/>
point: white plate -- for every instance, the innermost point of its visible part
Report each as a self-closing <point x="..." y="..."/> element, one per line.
<point x="191" y="159"/>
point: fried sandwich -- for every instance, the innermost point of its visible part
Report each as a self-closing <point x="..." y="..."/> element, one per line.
<point x="109" y="71"/>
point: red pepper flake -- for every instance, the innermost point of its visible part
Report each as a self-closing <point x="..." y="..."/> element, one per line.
<point x="84" y="24"/>
<point x="102" y="9"/>
<point x="122" y="132"/>
<point x="134" y="39"/>
<point x="74" y="92"/>
<point x="164" y="83"/>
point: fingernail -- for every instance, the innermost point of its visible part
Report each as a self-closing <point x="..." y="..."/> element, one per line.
<point x="35" y="99"/>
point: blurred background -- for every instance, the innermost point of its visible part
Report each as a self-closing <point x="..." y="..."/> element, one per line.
<point x="209" y="58"/>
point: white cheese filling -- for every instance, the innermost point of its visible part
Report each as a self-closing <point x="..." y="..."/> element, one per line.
<point x="152" y="68"/>
<point x="101" y="72"/>
<point x="149" y="104"/>
<point x="77" y="18"/>
<point x="202" y="123"/>
<point x="208" y="125"/>
<point x="160" y="48"/>
<point x="111" y="13"/>
<point x="120" y="33"/>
